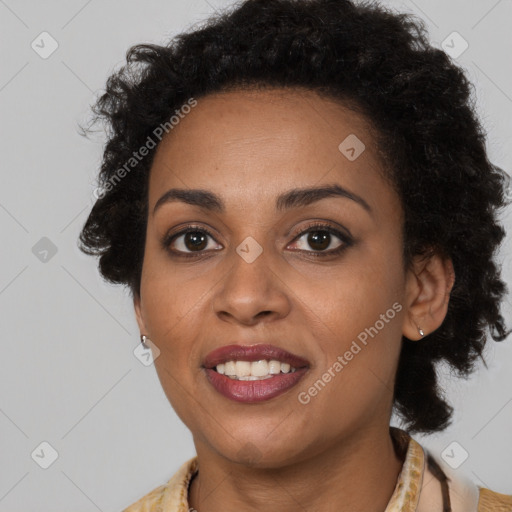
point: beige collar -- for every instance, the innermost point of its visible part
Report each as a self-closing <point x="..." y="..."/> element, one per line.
<point x="417" y="489"/>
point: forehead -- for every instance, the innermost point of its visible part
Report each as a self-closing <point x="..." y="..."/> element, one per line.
<point x="259" y="141"/>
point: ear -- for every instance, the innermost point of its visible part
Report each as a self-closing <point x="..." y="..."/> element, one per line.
<point x="428" y="285"/>
<point x="139" y="315"/>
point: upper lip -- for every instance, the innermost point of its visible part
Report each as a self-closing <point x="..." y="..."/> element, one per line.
<point x="252" y="353"/>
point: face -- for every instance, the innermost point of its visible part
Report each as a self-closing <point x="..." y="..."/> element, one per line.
<point x="320" y="276"/>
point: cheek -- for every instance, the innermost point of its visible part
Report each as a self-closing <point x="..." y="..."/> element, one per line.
<point x="358" y="316"/>
<point x="169" y="290"/>
<point x="353" y="296"/>
<point x="376" y="305"/>
<point x="172" y="302"/>
<point x="171" y="307"/>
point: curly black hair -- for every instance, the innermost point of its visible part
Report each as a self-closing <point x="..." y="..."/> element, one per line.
<point x="379" y="63"/>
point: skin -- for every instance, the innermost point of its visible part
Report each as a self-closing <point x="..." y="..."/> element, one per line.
<point x="335" y="452"/>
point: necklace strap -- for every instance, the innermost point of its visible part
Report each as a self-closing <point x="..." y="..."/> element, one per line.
<point x="436" y="470"/>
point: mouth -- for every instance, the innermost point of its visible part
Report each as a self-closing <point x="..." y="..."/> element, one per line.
<point x="253" y="373"/>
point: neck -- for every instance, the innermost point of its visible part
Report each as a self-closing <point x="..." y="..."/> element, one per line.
<point x="359" y="474"/>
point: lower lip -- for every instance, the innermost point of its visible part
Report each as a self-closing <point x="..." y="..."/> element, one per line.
<point x="254" y="390"/>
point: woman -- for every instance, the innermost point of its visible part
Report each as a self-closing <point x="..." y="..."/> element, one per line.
<point x="299" y="199"/>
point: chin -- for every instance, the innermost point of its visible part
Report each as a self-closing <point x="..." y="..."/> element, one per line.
<point x="262" y="454"/>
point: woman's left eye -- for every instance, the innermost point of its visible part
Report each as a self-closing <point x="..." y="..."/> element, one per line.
<point x="320" y="238"/>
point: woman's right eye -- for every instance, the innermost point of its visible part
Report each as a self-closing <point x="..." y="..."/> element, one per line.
<point x="189" y="242"/>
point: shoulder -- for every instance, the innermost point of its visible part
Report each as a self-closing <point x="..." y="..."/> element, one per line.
<point x="171" y="496"/>
<point x="151" y="502"/>
<point x="464" y="494"/>
<point x="491" y="501"/>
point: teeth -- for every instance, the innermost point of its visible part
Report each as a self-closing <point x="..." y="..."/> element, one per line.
<point x="274" y="367"/>
<point x="229" y="368"/>
<point x="259" y="368"/>
<point x="243" y="368"/>
<point x="255" y="370"/>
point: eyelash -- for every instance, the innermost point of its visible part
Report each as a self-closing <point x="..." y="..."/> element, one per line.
<point x="316" y="226"/>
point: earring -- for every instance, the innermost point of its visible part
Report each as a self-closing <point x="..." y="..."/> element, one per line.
<point x="143" y="339"/>
<point x="420" y="330"/>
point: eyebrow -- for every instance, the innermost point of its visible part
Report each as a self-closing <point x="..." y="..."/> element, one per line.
<point x="295" y="198"/>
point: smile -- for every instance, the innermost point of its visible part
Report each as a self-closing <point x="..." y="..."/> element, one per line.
<point x="255" y="370"/>
<point x="253" y="373"/>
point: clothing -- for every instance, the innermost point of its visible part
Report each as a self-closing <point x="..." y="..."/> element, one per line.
<point x="419" y="486"/>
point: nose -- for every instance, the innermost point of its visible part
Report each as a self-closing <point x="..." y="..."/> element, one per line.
<point x="251" y="292"/>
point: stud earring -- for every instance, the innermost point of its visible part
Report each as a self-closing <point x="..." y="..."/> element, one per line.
<point x="143" y="339"/>
<point x="420" y="330"/>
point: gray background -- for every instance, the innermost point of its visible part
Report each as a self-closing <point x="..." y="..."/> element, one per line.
<point x="69" y="374"/>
